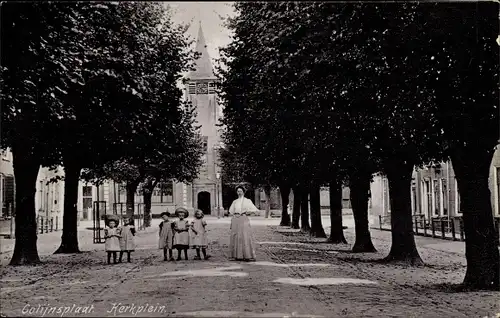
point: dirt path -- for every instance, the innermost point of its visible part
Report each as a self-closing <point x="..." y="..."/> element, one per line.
<point x="295" y="276"/>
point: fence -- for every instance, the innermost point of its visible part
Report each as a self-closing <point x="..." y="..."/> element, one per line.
<point x="446" y="228"/>
<point x="47" y="224"/>
<point x="99" y="214"/>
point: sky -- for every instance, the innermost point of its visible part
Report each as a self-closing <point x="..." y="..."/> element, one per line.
<point x="210" y="14"/>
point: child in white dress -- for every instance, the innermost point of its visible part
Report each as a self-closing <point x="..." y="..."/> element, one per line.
<point x="112" y="237"/>
<point x="181" y="230"/>
<point x="199" y="238"/>
<point x="127" y="242"/>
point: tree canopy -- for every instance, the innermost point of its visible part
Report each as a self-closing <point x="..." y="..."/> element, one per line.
<point x="315" y="91"/>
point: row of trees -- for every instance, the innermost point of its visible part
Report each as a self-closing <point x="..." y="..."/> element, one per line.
<point x="93" y="87"/>
<point x="323" y="94"/>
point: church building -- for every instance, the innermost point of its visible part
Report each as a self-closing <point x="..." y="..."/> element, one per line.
<point x="205" y="193"/>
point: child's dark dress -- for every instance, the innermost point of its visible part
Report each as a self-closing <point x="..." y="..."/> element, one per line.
<point x="166" y="235"/>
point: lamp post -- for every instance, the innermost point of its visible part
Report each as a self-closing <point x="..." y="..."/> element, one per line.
<point x="219" y="145"/>
<point x="217" y="189"/>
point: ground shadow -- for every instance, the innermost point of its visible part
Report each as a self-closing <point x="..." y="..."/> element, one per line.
<point x="450" y="288"/>
<point x="325" y="242"/>
<point x="380" y="261"/>
<point x="291" y="233"/>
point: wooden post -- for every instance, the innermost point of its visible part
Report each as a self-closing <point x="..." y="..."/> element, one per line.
<point x="433" y="228"/>
<point x="442" y="229"/>
<point x="380" y="221"/>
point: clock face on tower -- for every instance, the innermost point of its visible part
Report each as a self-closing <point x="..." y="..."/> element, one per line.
<point x="201" y="88"/>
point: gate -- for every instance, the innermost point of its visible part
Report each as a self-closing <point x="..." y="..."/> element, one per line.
<point x="118" y="209"/>
<point x="98" y="215"/>
<point x="140" y="216"/>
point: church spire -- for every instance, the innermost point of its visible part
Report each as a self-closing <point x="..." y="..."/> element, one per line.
<point x="203" y="66"/>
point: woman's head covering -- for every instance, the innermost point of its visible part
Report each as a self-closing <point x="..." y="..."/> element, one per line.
<point x="111" y="217"/>
<point x="241" y="187"/>
<point x="181" y="210"/>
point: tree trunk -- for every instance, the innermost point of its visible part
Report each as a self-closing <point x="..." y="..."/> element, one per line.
<point x="336" y="229"/>
<point x="481" y="245"/>
<point x="316" y="224"/>
<point x="267" y="192"/>
<point x="131" y="189"/>
<point x="147" y="195"/>
<point x="26" y="169"/>
<point x="285" y="200"/>
<point x="296" y="208"/>
<point x="69" y="238"/>
<point x="359" y="186"/>
<point x="403" y="248"/>
<point x="304" y="210"/>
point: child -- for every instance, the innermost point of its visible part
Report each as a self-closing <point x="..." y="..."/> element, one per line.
<point x="181" y="230"/>
<point x="112" y="237"/>
<point x="199" y="239"/>
<point x="166" y="241"/>
<point x="127" y="243"/>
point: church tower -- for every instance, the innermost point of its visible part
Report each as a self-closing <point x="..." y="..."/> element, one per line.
<point x="200" y="91"/>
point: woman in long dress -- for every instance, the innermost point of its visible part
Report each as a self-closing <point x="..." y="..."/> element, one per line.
<point x="241" y="242"/>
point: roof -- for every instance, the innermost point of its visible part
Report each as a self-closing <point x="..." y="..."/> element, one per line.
<point x="203" y="66"/>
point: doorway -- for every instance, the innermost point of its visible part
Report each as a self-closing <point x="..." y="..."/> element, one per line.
<point x="204" y="203"/>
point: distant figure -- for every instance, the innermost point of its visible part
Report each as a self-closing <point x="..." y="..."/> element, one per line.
<point x="181" y="233"/>
<point x="166" y="241"/>
<point x="199" y="238"/>
<point x="241" y="242"/>
<point x="127" y="242"/>
<point x="112" y="237"/>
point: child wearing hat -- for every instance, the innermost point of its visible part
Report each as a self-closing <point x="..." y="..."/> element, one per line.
<point x="112" y="238"/>
<point x="199" y="238"/>
<point x="127" y="242"/>
<point x="166" y="241"/>
<point x="181" y="230"/>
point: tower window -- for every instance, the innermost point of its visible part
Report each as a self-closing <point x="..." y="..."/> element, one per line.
<point x="205" y="144"/>
<point x="211" y="88"/>
<point x="192" y="88"/>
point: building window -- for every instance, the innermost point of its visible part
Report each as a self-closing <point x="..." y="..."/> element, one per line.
<point x="428" y="195"/>
<point x="437" y="197"/>
<point x="386" y="197"/>
<point x="414" y="199"/>
<point x="163" y="193"/>
<point x="446" y="200"/>
<point x="87" y="204"/>
<point x="86" y="201"/>
<point x="87" y="191"/>
<point x="192" y="88"/>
